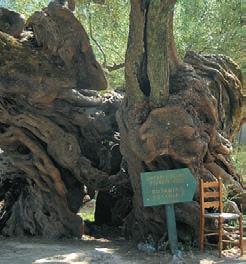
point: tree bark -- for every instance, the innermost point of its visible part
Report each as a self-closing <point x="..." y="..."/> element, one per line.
<point x="57" y="136"/>
<point x="175" y="114"/>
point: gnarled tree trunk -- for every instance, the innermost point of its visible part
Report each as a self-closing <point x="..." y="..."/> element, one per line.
<point x="175" y="114"/>
<point x="57" y="135"/>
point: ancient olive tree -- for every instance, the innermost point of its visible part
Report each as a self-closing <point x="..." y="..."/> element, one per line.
<point x="60" y="139"/>
<point x="175" y="114"/>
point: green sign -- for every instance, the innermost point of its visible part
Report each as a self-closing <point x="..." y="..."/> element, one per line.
<point x="167" y="186"/>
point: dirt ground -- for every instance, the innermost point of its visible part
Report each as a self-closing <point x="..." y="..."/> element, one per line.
<point x="91" y="251"/>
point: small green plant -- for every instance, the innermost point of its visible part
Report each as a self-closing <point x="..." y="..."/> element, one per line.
<point x="87" y="215"/>
<point x="88" y="210"/>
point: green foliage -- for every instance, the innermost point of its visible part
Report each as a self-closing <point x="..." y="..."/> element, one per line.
<point x="25" y="7"/>
<point x="107" y="26"/>
<point x="209" y="26"/>
<point x="239" y="159"/>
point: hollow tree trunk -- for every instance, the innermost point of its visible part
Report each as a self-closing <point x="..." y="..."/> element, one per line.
<point x="175" y="114"/>
<point x="56" y="135"/>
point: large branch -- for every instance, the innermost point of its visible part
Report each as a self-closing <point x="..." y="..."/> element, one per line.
<point x="135" y="56"/>
<point x="159" y="16"/>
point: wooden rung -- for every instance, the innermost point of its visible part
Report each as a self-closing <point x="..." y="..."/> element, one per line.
<point x="207" y="231"/>
<point x="231" y="227"/>
<point x="231" y="241"/>
<point x="232" y="233"/>
<point x="211" y="234"/>
<point x="210" y="244"/>
<point x="211" y="184"/>
<point x="211" y="194"/>
<point x="214" y="204"/>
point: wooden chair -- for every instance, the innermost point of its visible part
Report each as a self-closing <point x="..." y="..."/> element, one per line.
<point x="211" y="197"/>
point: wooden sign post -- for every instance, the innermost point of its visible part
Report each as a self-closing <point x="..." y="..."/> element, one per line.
<point x="168" y="187"/>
